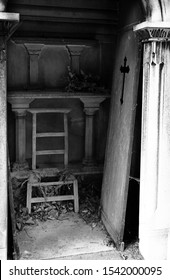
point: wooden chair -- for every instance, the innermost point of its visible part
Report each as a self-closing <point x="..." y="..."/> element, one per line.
<point x="35" y="153"/>
<point x="36" y="135"/>
<point x="58" y="185"/>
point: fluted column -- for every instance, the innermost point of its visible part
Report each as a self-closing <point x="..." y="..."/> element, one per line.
<point x="154" y="220"/>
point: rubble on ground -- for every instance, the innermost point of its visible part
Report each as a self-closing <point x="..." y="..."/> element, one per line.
<point x="132" y="252"/>
<point x="90" y="203"/>
<point x="89" y="199"/>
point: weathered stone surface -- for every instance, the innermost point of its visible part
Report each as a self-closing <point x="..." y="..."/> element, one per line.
<point x="3" y="153"/>
<point x="154" y="227"/>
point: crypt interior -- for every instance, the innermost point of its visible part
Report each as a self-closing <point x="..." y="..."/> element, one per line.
<point x="74" y="85"/>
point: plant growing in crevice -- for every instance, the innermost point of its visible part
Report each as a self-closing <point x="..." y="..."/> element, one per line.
<point x="83" y="82"/>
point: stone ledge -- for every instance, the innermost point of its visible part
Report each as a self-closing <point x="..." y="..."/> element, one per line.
<point x="9" y="16"/>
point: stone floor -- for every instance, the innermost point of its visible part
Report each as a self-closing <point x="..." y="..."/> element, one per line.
<point x="69" y="237"/>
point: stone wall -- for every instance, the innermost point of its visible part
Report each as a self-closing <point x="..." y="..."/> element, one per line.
<point x="53" y="62"/>
<point x="52" y="75"/>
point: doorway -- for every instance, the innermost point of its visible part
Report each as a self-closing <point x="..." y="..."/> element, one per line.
<point x="131" y="231"/>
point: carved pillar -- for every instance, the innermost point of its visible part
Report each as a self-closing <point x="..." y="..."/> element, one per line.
<point x="34" y="51"/>
<point x="91" y="105"/>
<point x="20" y="106"/>
<point x="89" y="136"/>
<point x="12" y="20"/>
<point x="75" y="52"/>
<point x="21" y="163"/>
<point x="154" y="220"/>
<point x="3" y="153"/>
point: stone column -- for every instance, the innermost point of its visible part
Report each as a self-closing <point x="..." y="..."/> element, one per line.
<point x="91" y="105"/>
<point x="34" y="51"/>
<point x="21" y="163"/>
<point x="154" y="220"/>
<point x="75" y="52"/>
<point x="11" y="20"/>
<point x="3" y="153"/>
<point x="89" y="136"/>
<point x="20" y="106"/>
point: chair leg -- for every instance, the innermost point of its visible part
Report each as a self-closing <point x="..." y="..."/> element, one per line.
<point x="75" y="190"/>
<point x="29" y="195"/>
<point x="34" y="139"/>
<point x="76" y="196"/>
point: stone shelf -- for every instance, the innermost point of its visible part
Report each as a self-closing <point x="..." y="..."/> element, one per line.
<point x="50" y="94"/>
<point x="9" y="16"/>
<point x="21" y="100"/>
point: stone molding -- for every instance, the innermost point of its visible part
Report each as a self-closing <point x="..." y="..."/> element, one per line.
<point x="34" y="49"/>
<point x="153" y="31"/>
<point x="19" y="103"/>
<point x="93" y="102"/>
<point x="90" y="111"/>
<point x="75" y="50"/>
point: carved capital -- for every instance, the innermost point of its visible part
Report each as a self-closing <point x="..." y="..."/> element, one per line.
<point x="153" y="31"/>
<point x="19" y="103"/>
<point x="20" y="113"/>
<point x="92" y="102"/>
<point x="34" y="49"/>
<point x="75" y="50"/>
<point x="90" y="111"/>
